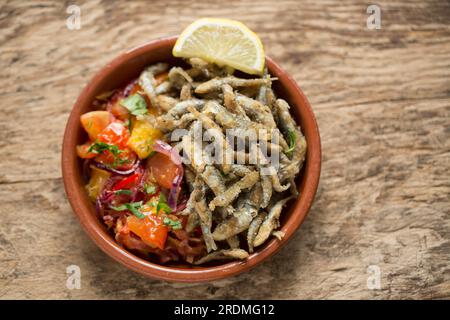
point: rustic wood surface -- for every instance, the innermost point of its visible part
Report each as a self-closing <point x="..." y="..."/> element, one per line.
<point x="382" y="101"/>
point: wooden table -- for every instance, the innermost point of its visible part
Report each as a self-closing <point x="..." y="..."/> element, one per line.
<point x="382" y="101"/>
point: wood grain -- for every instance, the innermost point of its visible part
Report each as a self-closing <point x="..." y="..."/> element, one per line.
<point x="382" y="101"/>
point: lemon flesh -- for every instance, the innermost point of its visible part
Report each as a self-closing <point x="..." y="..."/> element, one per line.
<point x="223" y="42"/>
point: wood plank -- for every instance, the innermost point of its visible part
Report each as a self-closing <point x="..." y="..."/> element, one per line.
<point x="382" y="101"/>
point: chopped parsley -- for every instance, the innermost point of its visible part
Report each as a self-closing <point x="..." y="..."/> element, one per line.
<point x="292" y="138"/>
<point x="123" y="191"/>
<point x="121" y="161"/>
<point x="135" y="104"/>
<point x="98" y="147"/>
<point x="175" y="224"/>
<point x="149" y="189"/>
<point x="162" y="204"/>
<point x="133" y="207"/>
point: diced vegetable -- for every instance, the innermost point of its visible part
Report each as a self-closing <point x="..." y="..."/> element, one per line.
<point x="115" y="133"/>
<point x="111" y="146"/>
<point x="115" y="106"/>
<point x="172" y="153"/>
<point x="96" y="182"/>
<point x="163" y="169"/>
<point x="127" y="183"/>
<point x="95" y="122"/>
<point x="123" y="162"/>
<point x="142" y="138"/>
<point x="150" y="229"/>
<point x="99" y="147"/>
<point x="83" y="151"/>
<point x="120" y="111"/>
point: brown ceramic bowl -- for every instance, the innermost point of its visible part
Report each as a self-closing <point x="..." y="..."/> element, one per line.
<point x="116" y="74"/>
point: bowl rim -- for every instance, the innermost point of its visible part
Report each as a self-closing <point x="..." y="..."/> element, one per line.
<point x="108" y="245"/>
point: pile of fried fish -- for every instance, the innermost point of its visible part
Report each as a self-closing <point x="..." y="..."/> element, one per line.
<point x="237" y="205"/>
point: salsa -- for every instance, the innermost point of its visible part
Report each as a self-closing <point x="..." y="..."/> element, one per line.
<point x="132" y="175"/>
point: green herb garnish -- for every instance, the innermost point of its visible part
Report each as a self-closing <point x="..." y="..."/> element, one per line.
<point x="175" y="224"/>
<point x="149" y="189"/>
<point x="121" y="161"/>
<point x="133" y="207"/>
<point x="123" y="191"/>
<point x="162" y="204"/>
<point x="292" y="138"/>
<point x="98" y="147"/>
<point x="135" y="104"/>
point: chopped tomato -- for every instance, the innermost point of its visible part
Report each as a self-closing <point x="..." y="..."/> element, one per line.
<point x="150" y="229"/>
<point x="131" y="241"/>
<point x="120" y="111"/>
<point x="116" y="134"/>
<point x="95" y="122"/>
<point x="83" y="151"/>
<point x="162" y="169"/>
<point x="123" y="161"/>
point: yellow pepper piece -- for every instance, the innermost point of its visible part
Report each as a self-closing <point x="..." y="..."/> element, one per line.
<point x="142" y="138"/>
<point x="96" y="182"/>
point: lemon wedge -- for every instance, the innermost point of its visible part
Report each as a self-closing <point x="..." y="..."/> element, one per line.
<point x="223" y="42"/>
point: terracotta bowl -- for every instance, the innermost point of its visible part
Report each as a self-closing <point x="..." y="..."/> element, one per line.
<point x="116" y="74"/>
